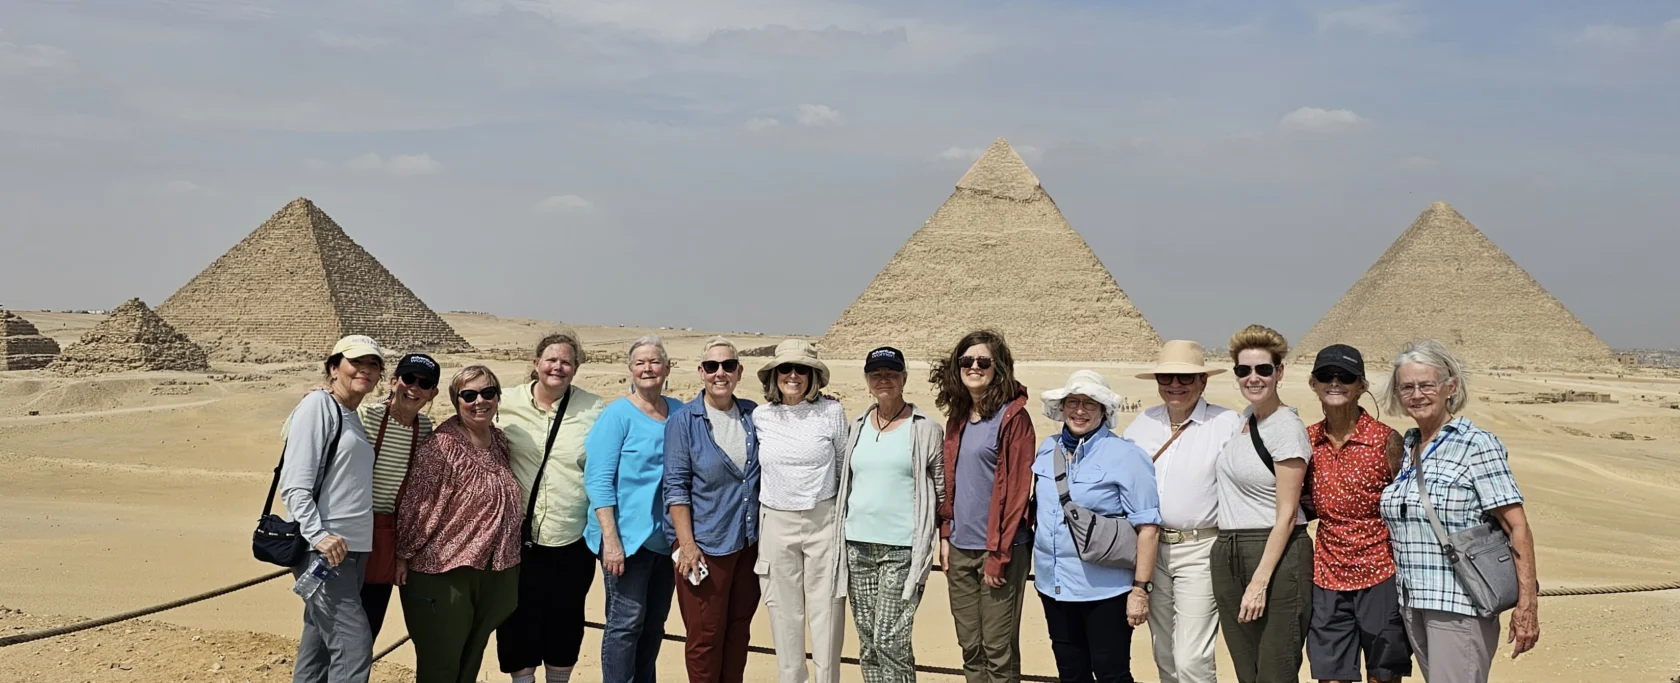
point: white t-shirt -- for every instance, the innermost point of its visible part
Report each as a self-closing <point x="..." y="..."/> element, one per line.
<point x="1247" y="490"/>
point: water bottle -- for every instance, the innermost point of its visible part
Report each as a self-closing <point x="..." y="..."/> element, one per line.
<point x="318" y="574"/>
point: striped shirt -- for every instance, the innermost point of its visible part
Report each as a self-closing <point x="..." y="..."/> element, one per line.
<point x="390" y="467"/>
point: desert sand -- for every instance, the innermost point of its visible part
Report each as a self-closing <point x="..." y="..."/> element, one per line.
<point x="125" y="490"/>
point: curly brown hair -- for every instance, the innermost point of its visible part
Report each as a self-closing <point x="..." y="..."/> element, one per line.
<point x="950" y="394"/>
<point x="1259" y="337"/>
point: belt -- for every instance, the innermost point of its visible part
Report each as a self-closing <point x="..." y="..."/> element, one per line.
<point x="1177" y="536"/>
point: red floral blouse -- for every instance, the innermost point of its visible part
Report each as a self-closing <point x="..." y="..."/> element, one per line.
<point x="461" y="506"/>
<point x="1351" y="550"/>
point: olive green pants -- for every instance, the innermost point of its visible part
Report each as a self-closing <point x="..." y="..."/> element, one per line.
<point x="1268" y="649"/>
<point x="988" y="619"/>
<point x="451" y="615"/>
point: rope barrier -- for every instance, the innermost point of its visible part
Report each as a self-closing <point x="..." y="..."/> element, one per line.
<point x="1609" y="590"/>
<point x="136" y="614"/>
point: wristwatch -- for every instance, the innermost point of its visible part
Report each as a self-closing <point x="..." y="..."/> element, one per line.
<point x="1146" y="586"/>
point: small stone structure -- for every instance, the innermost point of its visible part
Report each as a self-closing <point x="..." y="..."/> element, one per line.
<point x="998" y="254"/>
<point x="298" y="282"/>
<point x="22" y="347"/>
<point x="131" y="338"/>
<point x="1444" y="279"/>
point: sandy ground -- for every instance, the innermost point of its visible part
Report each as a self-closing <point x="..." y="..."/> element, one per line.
<point x="129" y="490"/>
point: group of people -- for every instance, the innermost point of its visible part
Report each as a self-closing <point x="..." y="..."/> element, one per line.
<point x="496" y="519"/>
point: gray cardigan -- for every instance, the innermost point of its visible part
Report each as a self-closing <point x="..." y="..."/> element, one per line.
<point x="927" y="447"/>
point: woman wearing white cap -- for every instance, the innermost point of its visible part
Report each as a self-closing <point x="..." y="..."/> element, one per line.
<point x="1091" y="607"/>
<point x="1184" y="436"/>
<point x="326" y="481"/>
<point x="802" y="441"/>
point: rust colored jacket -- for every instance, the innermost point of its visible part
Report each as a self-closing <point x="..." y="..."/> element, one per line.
<point x="1012" y="486"/>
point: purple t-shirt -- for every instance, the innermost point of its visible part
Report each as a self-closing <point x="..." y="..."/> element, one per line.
<point x="976" y="469"/>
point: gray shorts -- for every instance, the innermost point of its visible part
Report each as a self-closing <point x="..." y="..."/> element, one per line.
<point x="1348" y="623"/>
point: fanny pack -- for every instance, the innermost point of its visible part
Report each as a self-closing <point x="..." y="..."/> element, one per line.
<point x="1108" y="541"/>
<point x="279" y="541"/>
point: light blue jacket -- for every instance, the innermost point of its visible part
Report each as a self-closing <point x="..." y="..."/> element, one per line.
<point x="1110" y="475"/>
<point x="624" y="468"/>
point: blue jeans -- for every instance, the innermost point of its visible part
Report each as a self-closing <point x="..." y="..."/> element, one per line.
<point x="637" y="604"/>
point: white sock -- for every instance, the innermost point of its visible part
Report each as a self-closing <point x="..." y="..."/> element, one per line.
<point x="558" y="674"/>
<point x="527" y="678"/>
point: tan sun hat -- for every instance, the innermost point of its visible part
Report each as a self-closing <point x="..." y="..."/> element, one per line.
<point x="798" y="352"/>
<point x="1180" y="357"/>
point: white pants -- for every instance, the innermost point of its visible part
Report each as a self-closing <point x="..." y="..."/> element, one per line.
<point x="1183" y="620"/>
<point x="796" y="561"/>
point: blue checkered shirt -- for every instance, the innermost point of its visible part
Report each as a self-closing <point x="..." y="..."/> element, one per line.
<point x="1467" y="473"/>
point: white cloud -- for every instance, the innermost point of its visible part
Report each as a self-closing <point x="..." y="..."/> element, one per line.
<point x="1385" y="19"/>
<point x="17" y="59"/>
<point x="350" y="41"/>
<point x="396" y="164"/>
<point x="1317" y="120"/>
<point x="1418" y="163"/>
<point x="819" y="116"/>
<point x="565" y="203"/>
<point x="961" y="154"/>
<point x="761" y="125"/>
<point x="1671" y="28"/>
<point x="1609" y="35"/>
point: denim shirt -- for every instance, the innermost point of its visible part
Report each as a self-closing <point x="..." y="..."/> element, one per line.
<point x="722" y="499"/>
<point x="1110" y="475"/>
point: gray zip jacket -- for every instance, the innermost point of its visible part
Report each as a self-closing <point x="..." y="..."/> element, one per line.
<point x="927" y="447"/>
<point x="345" y="507"/>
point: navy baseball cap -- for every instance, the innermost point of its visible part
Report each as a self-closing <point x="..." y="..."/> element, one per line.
<point x="420" y="364"/>
<point x="1340" y="356"/>
<point x="884" y="358"/>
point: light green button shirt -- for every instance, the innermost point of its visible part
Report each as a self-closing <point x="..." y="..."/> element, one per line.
<point x="562" y="505"/>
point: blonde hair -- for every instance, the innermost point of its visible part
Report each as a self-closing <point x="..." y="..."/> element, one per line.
<point x="468" y="374"/>
<point x="1433" y="354"/>
<point x="1259" y="337"/>
<point x="715" y="342"/>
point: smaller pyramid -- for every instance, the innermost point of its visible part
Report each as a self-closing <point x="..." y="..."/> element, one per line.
<point x="1443" y="279"/>
<point x="22" y="347"/>
<point x="131" y="338"/>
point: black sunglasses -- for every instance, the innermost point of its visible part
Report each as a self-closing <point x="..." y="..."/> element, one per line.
<point x="711" y="366"/>
<point x="415" y="380"/>
<point x="793" y="368"/>
<point x="1169" y="379"/>
<point x="1263" y="369"/>
<point x="1328" y="375"/>
<point x="981" y="362"/>
<point x="488" y="393"/>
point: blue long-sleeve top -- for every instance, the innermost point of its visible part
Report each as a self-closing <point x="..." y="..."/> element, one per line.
<point x="624" y="469"/>
<point x="1110" y="475"/>
<point x="722" y="498"/>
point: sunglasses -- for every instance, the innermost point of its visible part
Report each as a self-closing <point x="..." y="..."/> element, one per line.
<point x="712" y="366"/>
<point x="415" y="380"/>
<point x="1328" y="375"/>
<point x="1167" y="380"/>
<point x="1263" y="370"/>
<point x="792" y="369"/>
<point x="967" y="362"/>
<point x="487" y="393"/>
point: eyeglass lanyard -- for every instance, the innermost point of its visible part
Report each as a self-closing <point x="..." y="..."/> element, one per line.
<point x="1412" y="468"/>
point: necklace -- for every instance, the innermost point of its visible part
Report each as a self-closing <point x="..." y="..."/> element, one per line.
<point x="880" y="427"/>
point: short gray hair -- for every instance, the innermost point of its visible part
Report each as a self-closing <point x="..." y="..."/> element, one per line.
<point x="1433" y="354"/>
<point x="715" y="342"/>
<point x="652" y="340"/>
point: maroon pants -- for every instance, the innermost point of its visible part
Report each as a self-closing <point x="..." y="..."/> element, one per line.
<point x="718" y="615"/>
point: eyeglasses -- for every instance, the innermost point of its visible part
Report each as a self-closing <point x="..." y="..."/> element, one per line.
<point x="1167" y="380"/>
<point x="793" y="369"/>
<point x="981" y="362"/>
<point x="1423" y="388"/>
<point x="1081" y="406"/>
<point x="1337" y="375"/>
<point x="487" y="393"/>
<point x="1263" y="370"/>
<point x="415" y="380"/>
<point x="712" y="366"/>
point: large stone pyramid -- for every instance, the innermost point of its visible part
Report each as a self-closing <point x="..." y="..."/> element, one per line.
<point x="299" y="283"/>
<point x="1444" y="279"/>
<point x="131" y="338"/>
<point x="997" y="254"/>
<point x="22" y="347"/>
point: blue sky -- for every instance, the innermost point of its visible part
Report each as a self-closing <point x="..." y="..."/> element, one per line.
<point x="751" y="164"/>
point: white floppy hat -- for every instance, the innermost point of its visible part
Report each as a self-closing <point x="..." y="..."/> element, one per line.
<point x="1180" y="357"/>
<point x="797" y="352"/>
<point x="1085" y="383"/>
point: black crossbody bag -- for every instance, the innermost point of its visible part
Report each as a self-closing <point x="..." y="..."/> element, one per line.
<point x="527" y="533"/>
<point x="1266" y="459"/>
<point x="280" y="541"/>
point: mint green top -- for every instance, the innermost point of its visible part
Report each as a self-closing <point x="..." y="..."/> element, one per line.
<point x="881" y="506"/>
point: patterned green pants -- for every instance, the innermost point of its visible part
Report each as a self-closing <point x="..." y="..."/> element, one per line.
<point x="884" y="619"/>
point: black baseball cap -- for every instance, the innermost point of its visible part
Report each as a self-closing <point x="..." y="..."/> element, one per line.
<point x="1340" y="356"/>
<point x="420" y="364"/>
<point x="884" y="358"/>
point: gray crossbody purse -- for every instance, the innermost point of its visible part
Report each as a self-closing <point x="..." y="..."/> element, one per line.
<point x="1481" y="556"/>
<point x="1100" y="539"/>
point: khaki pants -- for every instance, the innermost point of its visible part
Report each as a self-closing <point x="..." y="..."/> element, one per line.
<point x="1183" y="620"/>
<point x="1452" y="648"/>
<point x="796" y="561"/>
<point x="988" y="619"/>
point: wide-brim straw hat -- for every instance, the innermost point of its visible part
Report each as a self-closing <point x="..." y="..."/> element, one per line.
<point x="798" y="352"/>
<point x="1180" y="357"/>
<point x="1084" y="383"/>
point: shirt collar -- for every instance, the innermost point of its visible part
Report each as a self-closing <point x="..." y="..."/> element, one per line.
<point x="1367" y="431"/>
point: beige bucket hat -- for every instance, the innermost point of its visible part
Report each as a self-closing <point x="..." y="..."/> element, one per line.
<point x="1180" y="357"/>
<point x="1084" y="383"/>
<point x="798" y="352"/>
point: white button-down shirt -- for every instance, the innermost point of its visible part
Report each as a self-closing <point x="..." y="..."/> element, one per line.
<point x="1184" y="475"/>
<point x="800" y="448"/>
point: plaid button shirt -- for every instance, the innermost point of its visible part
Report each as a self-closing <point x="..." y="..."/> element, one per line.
<point x="1467" y="473"/>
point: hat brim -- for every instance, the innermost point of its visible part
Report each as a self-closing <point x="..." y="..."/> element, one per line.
<point x="818" y="369"/>
<point x="1179" y="369"/>
<point x="1099" y="393"/>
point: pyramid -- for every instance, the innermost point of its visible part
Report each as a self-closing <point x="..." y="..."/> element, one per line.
<point x="999" y="255"/>
<point x="299" y="283"/>
<point x="131" y="338"/>
<point x="22" y="347"/>
<point x="1444" y="279"/>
